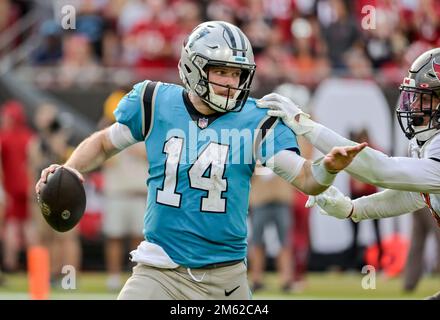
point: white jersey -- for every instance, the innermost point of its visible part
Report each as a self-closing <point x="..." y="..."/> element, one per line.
<point x="411" y="182"/>
<point x="429" y="150"/>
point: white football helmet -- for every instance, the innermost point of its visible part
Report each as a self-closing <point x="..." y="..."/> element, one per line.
<point x="420" y="96"/>
<point x="217" y="43"/>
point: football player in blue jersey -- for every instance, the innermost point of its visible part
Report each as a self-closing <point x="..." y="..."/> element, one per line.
<point x="203" y="142"/>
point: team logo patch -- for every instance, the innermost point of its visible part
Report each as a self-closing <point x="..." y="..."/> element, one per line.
<point x="436" y="68"/>
<point x="202" y="123"/>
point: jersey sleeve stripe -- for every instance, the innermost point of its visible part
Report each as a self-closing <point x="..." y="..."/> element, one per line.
<point x="266" y="124"/>
<point x="148" y="102"/>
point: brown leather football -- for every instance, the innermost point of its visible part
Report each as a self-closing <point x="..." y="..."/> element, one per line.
<point x="62" y="200"/>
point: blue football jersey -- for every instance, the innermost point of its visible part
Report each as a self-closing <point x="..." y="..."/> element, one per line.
<point x="200" y="169"/>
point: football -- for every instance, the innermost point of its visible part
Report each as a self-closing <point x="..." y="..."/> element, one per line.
<point x="62" y="200"/>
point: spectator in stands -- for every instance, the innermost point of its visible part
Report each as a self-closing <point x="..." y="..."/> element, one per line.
<point x="357" y="63"/>
<point x="309" y="61"/>
<point x="131" y="13"/>
<point x="259" y="33"/>
<point x="90" y="23"/>
<point x="149" y="42"/>
<point x="378" y="40"/>
<point x="341" y="29"/>
<point x="188" y="15"/>
<point x="427" y="22"/>
<point x="280" y="13"/>
<point x="111" y="49"/>
<point x="79" y="65"/>
<point x="223" y="10"/>
<point x="10" y="14"/>
<point x="50" y="51"/>
<point x="275" y="63"/>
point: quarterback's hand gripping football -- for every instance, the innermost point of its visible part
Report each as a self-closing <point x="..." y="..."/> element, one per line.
<point x="332" y="202"/>
<point x="51" y="169"/>
<point x="288" y="111"/>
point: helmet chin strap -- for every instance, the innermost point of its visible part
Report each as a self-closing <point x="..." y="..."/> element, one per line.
<point x="425" y="135"/>
<point x="220" y="103"/>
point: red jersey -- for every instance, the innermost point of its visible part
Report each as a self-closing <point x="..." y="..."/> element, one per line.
<point x="13" y="148"/>
<point x="14" y="142"/>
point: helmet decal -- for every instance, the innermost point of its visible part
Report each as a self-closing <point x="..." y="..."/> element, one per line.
<point x="409" y="82"/>
<point x="203" y="32"/>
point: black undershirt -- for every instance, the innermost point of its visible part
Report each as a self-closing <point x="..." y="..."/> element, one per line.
<point x="195" y="114"/>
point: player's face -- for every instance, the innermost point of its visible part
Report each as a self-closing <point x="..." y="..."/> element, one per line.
<point x="420" y="104"/>
<point x="224" y="79"/>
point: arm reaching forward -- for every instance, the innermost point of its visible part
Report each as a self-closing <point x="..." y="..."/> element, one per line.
<point x="388" y="203"/>
<point x="370" y="166"/>
<point x="313" y="177"/>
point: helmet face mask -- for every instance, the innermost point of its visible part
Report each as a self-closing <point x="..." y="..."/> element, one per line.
<point x="419" y="101"/>
<point x="417" y="112"/>
<point x="217" y="44"/>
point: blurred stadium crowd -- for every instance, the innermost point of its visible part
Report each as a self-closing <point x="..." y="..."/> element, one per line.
<point x="293" y="40"/>
<point x="301" y="42"/>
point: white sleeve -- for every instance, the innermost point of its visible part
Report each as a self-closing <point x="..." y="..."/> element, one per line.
<point x="388" y="203"/>
<point x="374" y="167"/>
<point x="120" y="135"/>
<point x="287" y="164"/>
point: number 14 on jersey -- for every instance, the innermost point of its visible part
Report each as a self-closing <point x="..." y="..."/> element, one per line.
<point x="206" y="173"/>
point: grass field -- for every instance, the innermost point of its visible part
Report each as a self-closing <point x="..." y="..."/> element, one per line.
<point x="319" y="286"/>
